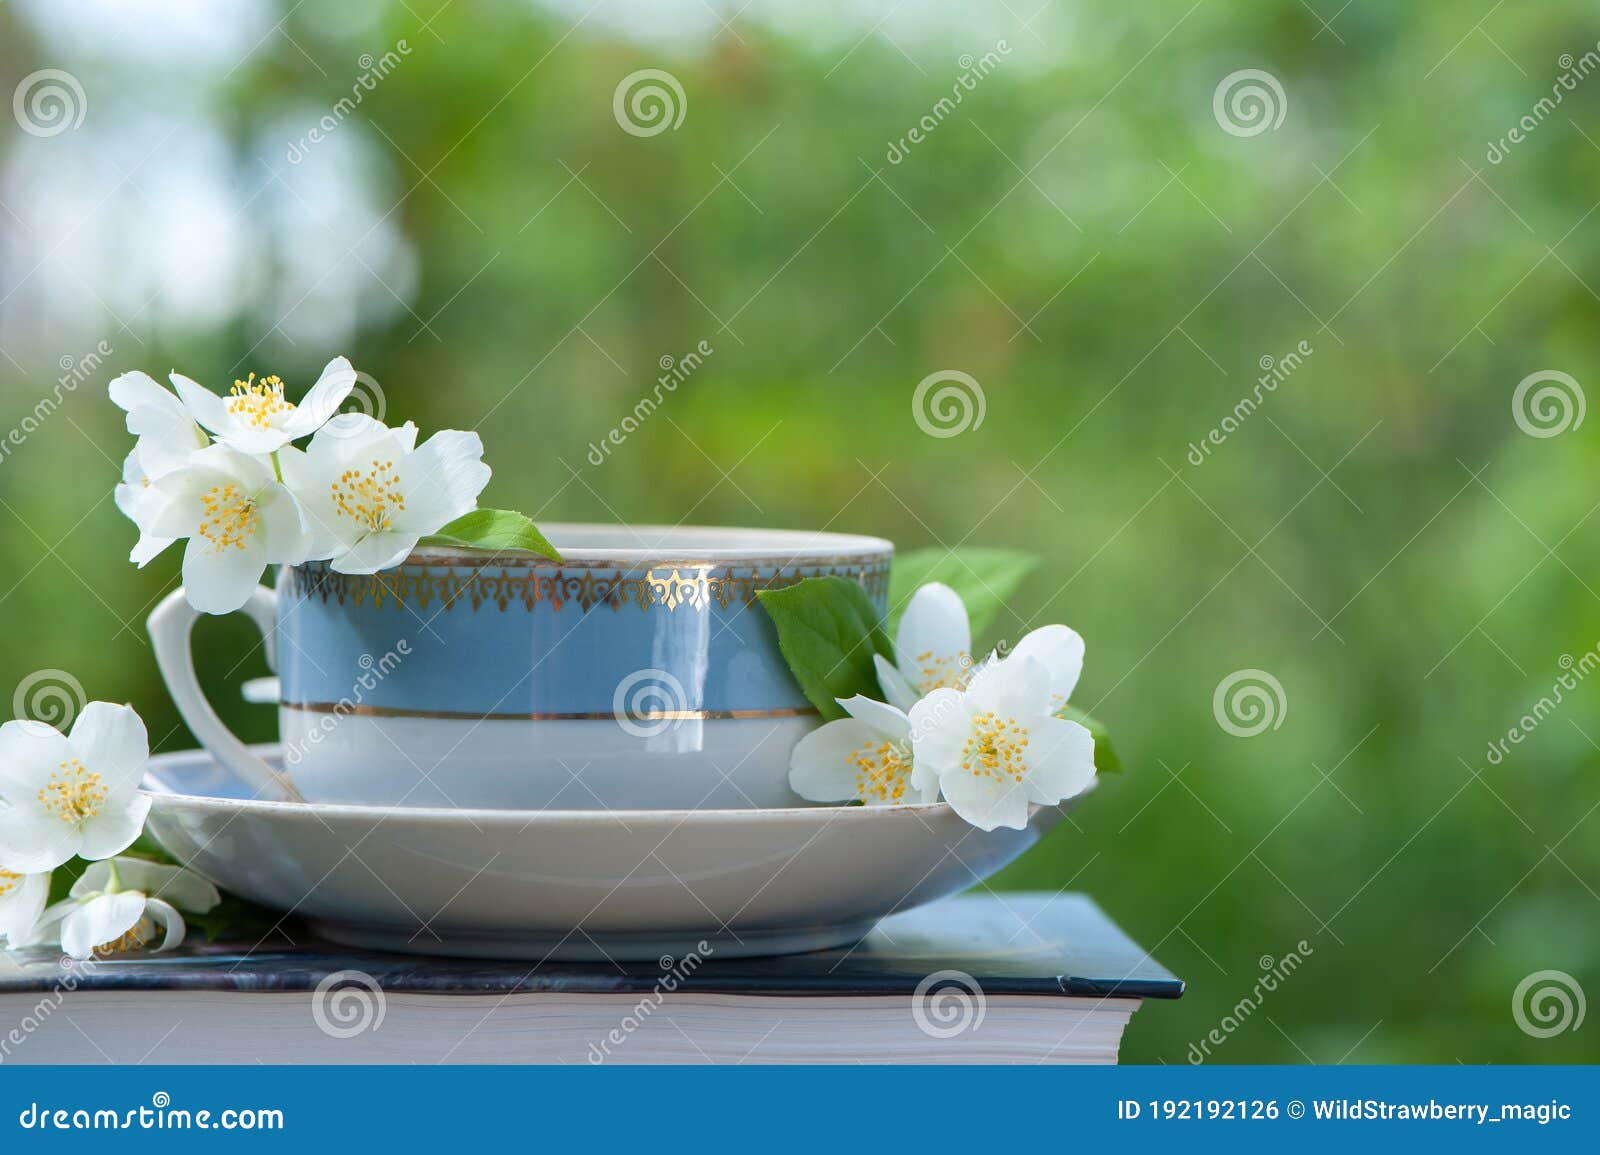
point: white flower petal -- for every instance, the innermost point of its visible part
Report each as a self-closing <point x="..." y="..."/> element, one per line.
<point x="29" y="752"/>
<point x="1014" y="687"/>
<point x="169" y="920"/>
<point x="148" y="548"/>
<point x="115" y="828"/>
<point x="407" y="435"/>
<point x="374" y="452"/>
<point x="1060" y="650"/>
<point x="220" y="581"/>
<point x="321" y="401"/>
<point x="1060" y="760"/>
<point x="340" y="445"/>
<point x="254" y="441"/>
<point x="47" y="931"/>
<point x="137" y="497"/>
<point x="185" y="890"/>
<point x="376" y="551"/>
<point x="100" y="921"/>
<point x="204" y="406"/>
<point x="284" y="539"/>
<point x="159" y="419"/>
<point x="176" y="509"/>
<point x="896" y="690"/>
<point x="326" y="532"/>
<point x="940" y="726"/>
<point x="248" y="468"/>
<point x="95" y="878"/>
<point x="33" y="841"/>
<point x="175" y="884"/>
<point x="820" y="769"/>
<point x="349" y="435"/>
<point x="892" y="723"/>
<point x="985" y="802"/>
<point x="111" y="741"/>
<point x="442" y="480"/>
<point x="133" y="477"/>
<point x="159" y="456"/>
<point x="21" y="905"/>
<point x="137" y="390"/>
<point x="934" y="643"/>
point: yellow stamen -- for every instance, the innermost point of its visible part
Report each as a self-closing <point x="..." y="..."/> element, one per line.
<point x="883" y="771"/>
<point x="370" y="497"/>
<point x="230" y="517"/>
<point x="74" y="793"/>
<point x="258" y="402"/>
<point x="943" y="671"/>
<point x="997" y="748"/>
<point x="140" y="935"/>
<point x="9" y="881"/>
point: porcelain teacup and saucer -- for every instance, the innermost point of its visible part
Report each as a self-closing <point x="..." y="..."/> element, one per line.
<point x="500" y="755"/>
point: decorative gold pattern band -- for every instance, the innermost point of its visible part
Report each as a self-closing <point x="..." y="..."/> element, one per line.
<point x="350" y="708"/>
<point x="673" y="588"/>
<point x="514" y="560"/>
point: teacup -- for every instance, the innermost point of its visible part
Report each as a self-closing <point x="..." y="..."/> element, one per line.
<point x="638" y="673"/>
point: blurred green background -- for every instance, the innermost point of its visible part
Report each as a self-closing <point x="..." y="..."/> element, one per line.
<point x="1083" y="237"/>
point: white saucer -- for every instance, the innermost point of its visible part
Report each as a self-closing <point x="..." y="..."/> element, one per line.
<point x="573" y="884"/>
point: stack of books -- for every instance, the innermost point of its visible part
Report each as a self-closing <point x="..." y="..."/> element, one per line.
<point x="1017" y="977"/>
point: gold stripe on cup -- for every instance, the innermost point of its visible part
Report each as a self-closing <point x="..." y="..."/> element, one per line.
<point x="349" y="708"/>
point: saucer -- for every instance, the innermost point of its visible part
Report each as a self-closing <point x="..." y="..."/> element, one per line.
<point x="573" y="884"/>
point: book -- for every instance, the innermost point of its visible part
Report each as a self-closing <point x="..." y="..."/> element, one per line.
<point x="979" y="978"/>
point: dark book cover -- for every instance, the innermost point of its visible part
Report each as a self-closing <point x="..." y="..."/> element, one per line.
<point x="1024" y="943"/>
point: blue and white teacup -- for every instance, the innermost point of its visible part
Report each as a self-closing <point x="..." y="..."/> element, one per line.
<point x="639" y="673"/>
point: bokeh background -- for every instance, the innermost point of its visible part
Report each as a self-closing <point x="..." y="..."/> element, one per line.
<point x="1086" y="238"/>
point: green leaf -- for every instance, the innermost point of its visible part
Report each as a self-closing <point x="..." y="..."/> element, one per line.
<point x="62" y="878"/>
<point x="1105" y="758"/>
<point x="828" y="630"/>
<point x="495" y="529"/>
<point x="985" y="578"/>
<point x="234" y="919"/>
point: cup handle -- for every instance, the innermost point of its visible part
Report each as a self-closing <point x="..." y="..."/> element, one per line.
<point x="171" y="627"/>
